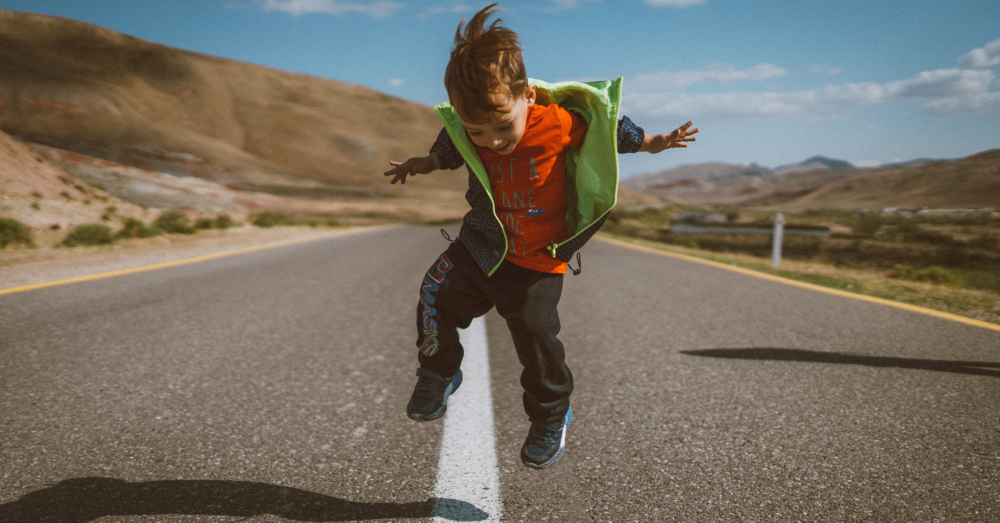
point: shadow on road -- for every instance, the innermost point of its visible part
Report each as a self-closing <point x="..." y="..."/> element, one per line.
<point x="978" y="368"/>
<point x="81" y="500"/>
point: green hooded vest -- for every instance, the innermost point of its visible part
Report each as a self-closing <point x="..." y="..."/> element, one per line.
<point x="591" y="172"/>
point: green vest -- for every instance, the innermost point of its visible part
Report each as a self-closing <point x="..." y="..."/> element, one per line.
<point x="591" y="171"/>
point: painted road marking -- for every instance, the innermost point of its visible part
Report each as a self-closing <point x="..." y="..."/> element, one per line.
<point x="468" y="480"/>
<point x="198" y="259"/>
<point x="810" y="286"/>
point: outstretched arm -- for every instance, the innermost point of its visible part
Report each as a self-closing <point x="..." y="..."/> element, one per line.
<point x="412" y="167"/>
<point x="654" y="143"/>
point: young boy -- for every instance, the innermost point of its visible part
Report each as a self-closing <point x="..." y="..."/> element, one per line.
<point x="543" y="175"/>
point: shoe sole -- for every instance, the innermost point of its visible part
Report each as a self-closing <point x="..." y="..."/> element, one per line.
<point x="562" y="447"/>
<point x="455" y="383"/>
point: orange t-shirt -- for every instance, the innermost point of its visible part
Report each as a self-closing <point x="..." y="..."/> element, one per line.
<point x="529" y="186"/>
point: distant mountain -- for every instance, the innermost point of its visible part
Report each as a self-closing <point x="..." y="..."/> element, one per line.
<point x="972" y="182"/>
<point x="699" y="172"/>
<point x="716" y="171"/>
<point x="816" y="162"/>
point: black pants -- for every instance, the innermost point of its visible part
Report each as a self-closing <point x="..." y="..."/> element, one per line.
<point x="455" y="290"/>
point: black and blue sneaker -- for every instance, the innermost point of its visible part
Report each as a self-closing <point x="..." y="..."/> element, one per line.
<point x="545" y="443"/>
<point x="429" y="400"/>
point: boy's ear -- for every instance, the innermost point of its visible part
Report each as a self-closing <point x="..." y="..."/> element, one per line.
<point x="529" y="95"/>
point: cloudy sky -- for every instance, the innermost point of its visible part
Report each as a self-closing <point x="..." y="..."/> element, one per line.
<point x="767" y="81"/>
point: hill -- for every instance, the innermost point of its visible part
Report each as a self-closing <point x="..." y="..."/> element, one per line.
<point x="86" y="89"/>
<point x="972" y="182"/>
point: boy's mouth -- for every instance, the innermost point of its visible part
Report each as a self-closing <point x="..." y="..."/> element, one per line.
<point x="505" y="148"/>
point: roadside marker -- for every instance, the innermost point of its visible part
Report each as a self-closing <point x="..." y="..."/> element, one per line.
<point x="468" y="480"/>
<point x="810" y="286"/>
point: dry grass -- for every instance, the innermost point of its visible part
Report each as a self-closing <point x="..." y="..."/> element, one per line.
<point x="976" y="304"/>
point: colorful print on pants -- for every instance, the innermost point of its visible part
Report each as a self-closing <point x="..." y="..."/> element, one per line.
<point x="431" y="284"/>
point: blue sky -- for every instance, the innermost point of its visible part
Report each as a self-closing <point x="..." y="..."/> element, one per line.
<point x="767" y="81"/>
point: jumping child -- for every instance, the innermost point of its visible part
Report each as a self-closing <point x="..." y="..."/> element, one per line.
<point x="543" y="176"/>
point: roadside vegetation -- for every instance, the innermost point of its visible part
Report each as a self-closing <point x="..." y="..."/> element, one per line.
<point x="268" y="219"/>
<point x="169" y="222"/>
<point x="13" y="231"/>
<point x="943" y="261"/>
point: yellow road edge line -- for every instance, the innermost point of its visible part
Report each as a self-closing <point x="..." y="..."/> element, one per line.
<point x="804" y="285"/>
<point x="188" y="261"/>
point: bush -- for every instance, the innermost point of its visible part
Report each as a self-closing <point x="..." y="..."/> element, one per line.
<point x="223" y="221"/>
<point x="174" y="222"/>
<point x="269" y="219"/>
<point x="89" y="234"/>
<point x="868" y="225"/>
<point x="204" y="223"/>
<point x="933" y="274"/>
<point x="133" y="228"/>
<point x="13" y="231"/>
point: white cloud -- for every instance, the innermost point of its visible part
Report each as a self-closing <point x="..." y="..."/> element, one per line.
<point x="943" y="92"/>
<point x="374" y="9"/>
<point x="716" y="72"/>
<point x="822" y="69"/>
<point x="941" y="83"/>
<point x="673" y="3"/>
<point x="452" y="6"/>
<point x="397" y="82"/>
<point x="984" y="104"/>
<point x="986" y="57"/>
<point x="560" y="5"/>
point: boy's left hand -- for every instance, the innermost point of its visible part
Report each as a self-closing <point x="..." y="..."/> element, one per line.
<point x="660" y="142"/>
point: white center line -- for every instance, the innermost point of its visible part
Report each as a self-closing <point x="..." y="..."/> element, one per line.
<point x="468" y="481"/>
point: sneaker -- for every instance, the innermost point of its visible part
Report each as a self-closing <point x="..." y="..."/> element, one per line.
<point x="430" y="397"/>
<point x="545" y="443"/>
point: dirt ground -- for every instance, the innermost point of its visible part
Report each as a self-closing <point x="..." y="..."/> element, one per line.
<point x="21" y="266"/>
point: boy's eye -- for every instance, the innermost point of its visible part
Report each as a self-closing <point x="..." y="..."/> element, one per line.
<point x="474" y="133"/>
<point x="507" y="127"/>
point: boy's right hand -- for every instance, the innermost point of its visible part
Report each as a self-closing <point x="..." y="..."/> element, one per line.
<point x="412" y="167"/>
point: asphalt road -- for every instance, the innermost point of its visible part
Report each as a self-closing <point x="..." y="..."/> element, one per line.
<point x="271" y="386"/>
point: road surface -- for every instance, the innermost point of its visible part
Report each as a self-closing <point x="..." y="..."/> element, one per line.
<point x="271" y="386"/>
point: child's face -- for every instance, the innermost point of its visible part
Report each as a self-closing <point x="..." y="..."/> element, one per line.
<point x="506" y="128"/>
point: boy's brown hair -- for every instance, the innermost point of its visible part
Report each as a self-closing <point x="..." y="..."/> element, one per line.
<point x="485" y="63"/>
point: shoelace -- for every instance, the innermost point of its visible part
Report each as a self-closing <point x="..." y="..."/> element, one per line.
<point x="543" y="433"/>
<point x="427" y="384"/>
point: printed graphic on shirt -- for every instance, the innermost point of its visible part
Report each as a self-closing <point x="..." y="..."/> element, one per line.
<point x="431" y="284"/>
<point x="529" y="186"/>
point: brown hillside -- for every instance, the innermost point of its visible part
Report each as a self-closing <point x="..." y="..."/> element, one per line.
<point x="48" y="199"/>
<point x="66" y="81"/>
<point x="972" y="182"/>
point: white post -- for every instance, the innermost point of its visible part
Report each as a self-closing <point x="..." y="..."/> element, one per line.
<point x="779" y="232"/>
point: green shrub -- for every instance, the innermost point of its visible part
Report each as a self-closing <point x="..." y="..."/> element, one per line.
<point x="223" y="221"/>
<point x="89" y="234"/>
<point x="133" y="228"/>
<point x="204" y="223"/>
<point x="868" y="225"/>
<point x="13" y="231"/>
<point x="984" y="241"/>
<point x="902" y="272"/>
<point x="933" y="274"/>
<point x="939" y="275"/>
<point x="332" y="222"/>
<point x="269" y="219"/>
<point x="174" y="222"/>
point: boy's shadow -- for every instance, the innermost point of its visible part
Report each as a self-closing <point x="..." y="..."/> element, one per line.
<point x="80" y="500"/>
<point x="978" y="368"/>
